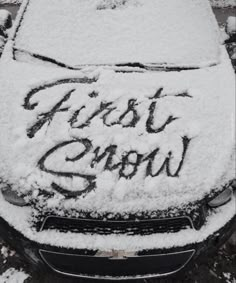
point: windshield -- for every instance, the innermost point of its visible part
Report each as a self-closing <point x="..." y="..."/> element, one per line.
<point x="74" y="33"/>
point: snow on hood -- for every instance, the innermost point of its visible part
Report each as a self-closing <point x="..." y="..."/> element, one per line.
<point x="216" y="221"/>
<point x="85" y="32"/>
<point x="103" y="140"/>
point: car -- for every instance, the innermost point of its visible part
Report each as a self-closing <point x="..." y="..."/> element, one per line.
<point x="117" y="140"/>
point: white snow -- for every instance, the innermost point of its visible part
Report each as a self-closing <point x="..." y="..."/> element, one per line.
<point x="6" y="252"/>
<point x="22" y="223"/>
<point x="207" y="118"/>
<point x="3" y="16"/>
<point x="204" y="113"/>
<point x="13" y="276"/>
<point x="231" y="25"/>
<point x="162" y="32"/>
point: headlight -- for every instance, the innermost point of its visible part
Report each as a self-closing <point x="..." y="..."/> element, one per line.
<point x="12" y="197"/>
<point x="222" y="198"/>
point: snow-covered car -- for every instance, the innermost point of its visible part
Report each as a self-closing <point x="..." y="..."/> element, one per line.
<point x="117" y="140"/>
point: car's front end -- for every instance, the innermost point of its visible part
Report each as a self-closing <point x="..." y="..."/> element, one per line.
<point x="143" y="245"/>
<point x="113" y="168"/>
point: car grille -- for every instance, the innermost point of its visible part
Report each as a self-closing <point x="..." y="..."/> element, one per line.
<point x="134" y="267"/>
<point x="105" y="227"/>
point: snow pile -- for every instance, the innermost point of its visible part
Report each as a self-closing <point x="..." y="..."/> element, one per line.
<point x="231" y="25"/>
<point x="223" y="35"/>
<point x="234" y="55"/>
<point x="13" y="276"/>
<point x="162" y="32"/>
<point x="110" y="139"/>
<point x="3" y="17"/>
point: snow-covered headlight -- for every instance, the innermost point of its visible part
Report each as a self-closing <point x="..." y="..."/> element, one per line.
<point x="12" y="197"/>
<point x="222" y="198"/>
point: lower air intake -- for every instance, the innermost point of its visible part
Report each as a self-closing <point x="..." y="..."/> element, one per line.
<point x="112" y="268"/>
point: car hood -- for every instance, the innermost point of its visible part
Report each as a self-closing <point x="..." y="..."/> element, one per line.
<point x="114" y="140"/>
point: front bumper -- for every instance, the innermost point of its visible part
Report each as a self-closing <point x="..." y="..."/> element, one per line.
<point x="94" y="264"/>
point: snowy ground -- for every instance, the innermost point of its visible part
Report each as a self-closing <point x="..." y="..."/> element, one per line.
<point x="11" y="267"/>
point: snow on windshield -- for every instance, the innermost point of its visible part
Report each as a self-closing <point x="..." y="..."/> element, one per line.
<point x="180" y="33"/>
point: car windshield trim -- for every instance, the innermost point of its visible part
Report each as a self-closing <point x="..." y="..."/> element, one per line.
<point x="22" y="55"/>
<point x="28" y="12"/>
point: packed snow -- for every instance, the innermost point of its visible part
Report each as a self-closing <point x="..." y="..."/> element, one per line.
<point x="13" y="276"/>
<point x="231" y="25"/>
<point x="107" y="140"/>
<point x="91" y="32"/>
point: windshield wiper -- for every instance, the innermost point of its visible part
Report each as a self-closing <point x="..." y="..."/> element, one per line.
<point x="132" y="65"/>
<point x="135" y="65"/>
<point x="155" y="67"/>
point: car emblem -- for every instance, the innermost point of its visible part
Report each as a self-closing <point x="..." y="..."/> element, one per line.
<point x="116" y="254"/>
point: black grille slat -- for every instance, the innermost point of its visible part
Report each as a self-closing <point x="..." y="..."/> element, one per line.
<point x="105" y="227"/>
